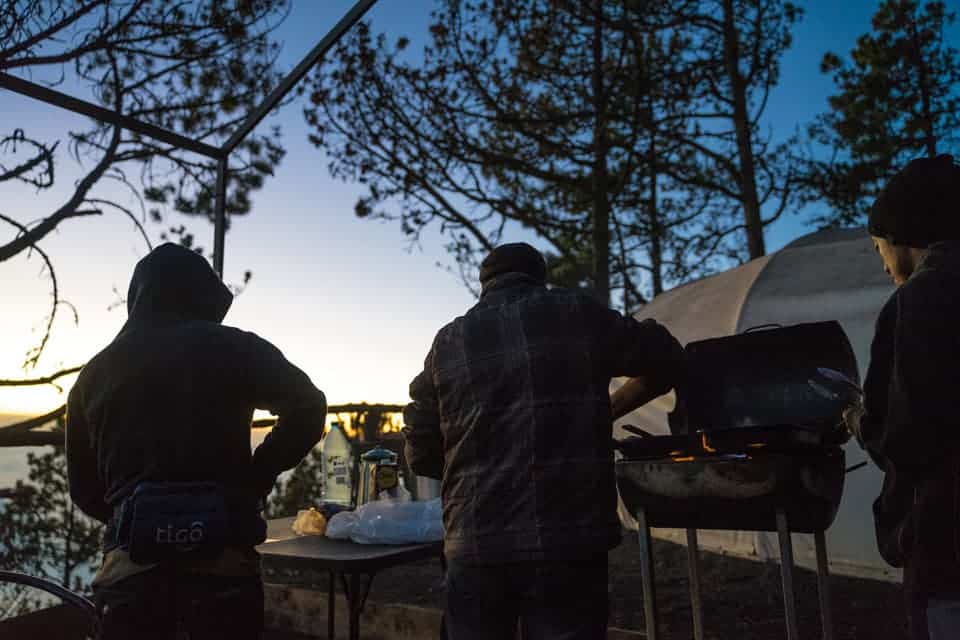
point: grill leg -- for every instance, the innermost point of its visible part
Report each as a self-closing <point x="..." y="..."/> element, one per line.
<point x="786" y="572"/>
<point x="646" y="573"/>
<point x="823" y="584"/>
<point x="693" y="566"/>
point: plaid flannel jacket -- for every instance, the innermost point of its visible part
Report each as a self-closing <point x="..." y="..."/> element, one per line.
<point x="512" y="411"/>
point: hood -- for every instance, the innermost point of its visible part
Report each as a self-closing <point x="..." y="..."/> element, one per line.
<point x="942" y="256"/>
<point x="507" y="280"/>
<point x="173" y="281"/>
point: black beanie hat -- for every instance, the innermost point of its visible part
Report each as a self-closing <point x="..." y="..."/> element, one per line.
<point x="514" y="257"/>
<point x="920" y="205"/>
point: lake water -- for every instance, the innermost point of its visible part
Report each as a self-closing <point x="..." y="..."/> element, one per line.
<point x="13" y="460"/>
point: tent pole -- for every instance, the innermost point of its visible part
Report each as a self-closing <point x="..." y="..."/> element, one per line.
<point x="220" y="216"/>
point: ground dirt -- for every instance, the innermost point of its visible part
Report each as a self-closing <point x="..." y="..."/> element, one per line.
<point x="741" y="599"/>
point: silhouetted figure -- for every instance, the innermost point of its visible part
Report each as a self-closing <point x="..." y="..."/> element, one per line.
<point x="158" y="447"/>
<point x="910" y="425"/>
<point x="513" y="412"/>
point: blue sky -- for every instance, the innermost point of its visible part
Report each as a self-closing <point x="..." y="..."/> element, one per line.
<point x="342" y="297"/>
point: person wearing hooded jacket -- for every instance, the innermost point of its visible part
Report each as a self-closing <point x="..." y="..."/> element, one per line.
<point x="512" y="412"/>
<point x="908" y="422"/>
<point x="171" y="400"/>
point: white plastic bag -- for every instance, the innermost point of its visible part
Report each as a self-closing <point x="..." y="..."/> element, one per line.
<point x="396" y="522"/>
<point x="342" y="525"/>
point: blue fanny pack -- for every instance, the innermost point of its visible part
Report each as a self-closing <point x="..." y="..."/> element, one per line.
<point x="164" y="520"/>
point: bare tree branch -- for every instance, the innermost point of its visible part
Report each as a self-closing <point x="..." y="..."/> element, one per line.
<point x="42" y="380"/>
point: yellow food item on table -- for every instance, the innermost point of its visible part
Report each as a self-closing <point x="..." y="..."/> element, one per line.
<point x="310" y="522"/>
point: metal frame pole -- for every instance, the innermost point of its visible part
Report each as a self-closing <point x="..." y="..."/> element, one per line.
<point x="292" y="78"/>
<point x="220" y="154"/>
<point x="220" y="215"/>
<point x="64" y="101"/>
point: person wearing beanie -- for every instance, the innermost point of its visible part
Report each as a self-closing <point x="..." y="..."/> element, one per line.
<point x="158" y="449"/>
<point x="909" y="422"/>
<point x="512" y="412"/>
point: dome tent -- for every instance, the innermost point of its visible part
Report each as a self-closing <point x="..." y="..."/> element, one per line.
<point x="833" y="274"/>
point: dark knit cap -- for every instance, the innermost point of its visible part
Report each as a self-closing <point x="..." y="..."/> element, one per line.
<point x="920" y="205"/>
<point x="516" y="257"/>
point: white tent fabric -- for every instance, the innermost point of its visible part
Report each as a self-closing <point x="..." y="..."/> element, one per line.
<point x="828" y="275"/>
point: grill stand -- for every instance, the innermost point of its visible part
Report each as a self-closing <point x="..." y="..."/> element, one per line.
<point x="693" y="566"/>
<point x="823" y="584"/>
<point x="646" y="575"/>
<point x="786" y="573"/>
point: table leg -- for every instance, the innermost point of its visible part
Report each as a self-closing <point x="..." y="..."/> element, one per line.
<point x="693" y="566"/>
<point x="331" y="606"/>
<point x="443" y="615"/>
<point x="356" y="604"/>
<point x="646" y="573"/>
<point x="786" y="573"/>
<point x="823" y="584"/>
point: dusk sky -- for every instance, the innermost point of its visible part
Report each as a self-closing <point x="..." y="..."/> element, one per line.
<point x="342" y="297"/>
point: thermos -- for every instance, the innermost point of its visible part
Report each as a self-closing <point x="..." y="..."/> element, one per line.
<point x="379" y="472"/>
<point x="427" y="488"/>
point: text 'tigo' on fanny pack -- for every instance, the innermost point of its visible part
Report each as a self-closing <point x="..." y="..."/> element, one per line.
<point x="164" y="520"/>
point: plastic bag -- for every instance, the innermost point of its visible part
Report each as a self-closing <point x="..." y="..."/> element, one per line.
<point x="342" y="525"/>
<point x="396" y="522"/>
<point x="389" y="522"/>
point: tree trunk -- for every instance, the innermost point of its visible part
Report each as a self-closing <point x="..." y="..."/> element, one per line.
<point x="656" y="245"/>
<point x="601" y="202"/>
<point x="923" y="84"/>
<point x="68" y="540"/>
<point x="741" y="120"/>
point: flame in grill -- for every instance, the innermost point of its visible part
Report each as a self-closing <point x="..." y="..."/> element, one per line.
<point x="705" y="444"/>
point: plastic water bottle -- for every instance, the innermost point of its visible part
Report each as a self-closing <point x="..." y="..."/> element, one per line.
<point x="337" y="456"/>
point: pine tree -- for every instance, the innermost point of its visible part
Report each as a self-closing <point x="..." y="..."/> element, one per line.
<point x="898" y="98"/>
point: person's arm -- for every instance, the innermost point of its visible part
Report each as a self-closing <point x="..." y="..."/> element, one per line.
<point x="866" y="421"/>
<point x="921" y="419"/>
<point x="301" y="409"/>
<point x="87" y="489"/>
<point x="634" y="393"/>
<point x="648" y="354"/>
<point x="423" y="440"/>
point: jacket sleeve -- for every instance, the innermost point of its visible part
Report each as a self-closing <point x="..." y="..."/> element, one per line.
<point x="921" y="417"/>
<point x="423" y="440"/>
<point x="301" y="408"/>
<point x="87" y="489"/>
<point x="876" y="386"/>
<point x="642" y="349"/>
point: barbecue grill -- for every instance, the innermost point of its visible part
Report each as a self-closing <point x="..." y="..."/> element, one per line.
<point x="755" y="444"/>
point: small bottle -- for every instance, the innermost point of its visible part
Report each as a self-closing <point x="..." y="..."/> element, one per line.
<point x="337" y="456"/>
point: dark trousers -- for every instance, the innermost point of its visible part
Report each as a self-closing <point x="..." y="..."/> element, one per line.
<point x="161" y="605"/>
<point x="559" y="600"/>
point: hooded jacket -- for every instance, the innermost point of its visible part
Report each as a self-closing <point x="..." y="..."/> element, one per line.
<point x="911" y="427"/>
<point x="172" y="397"/>
<point x="512" y="410"/>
